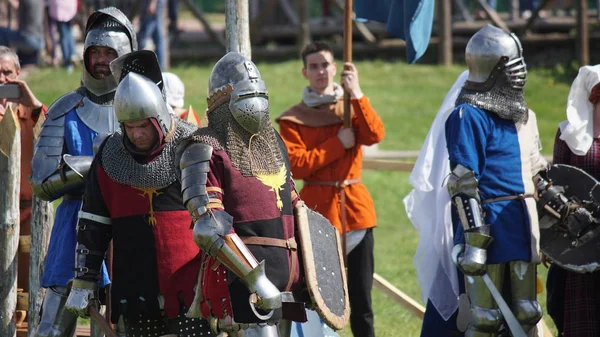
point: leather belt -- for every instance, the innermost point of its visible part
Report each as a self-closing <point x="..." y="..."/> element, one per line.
<point x="289" y="244"/>
<point x="341" y="186"/>
<point x="508" y="197"/>
<point x="337" y="184"/>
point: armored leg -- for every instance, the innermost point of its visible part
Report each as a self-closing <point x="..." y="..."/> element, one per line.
<point x="486" y="317"/>
<point x="55" y="320"/>
<point x="285" y="328"/>
<point x="524" y="305"/>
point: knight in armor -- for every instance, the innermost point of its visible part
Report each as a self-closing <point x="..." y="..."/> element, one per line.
<point x="64" y="152"/>
<point x="237" y="186"/>
<point x="496" y="168"/>
<point x="132" y="197"/>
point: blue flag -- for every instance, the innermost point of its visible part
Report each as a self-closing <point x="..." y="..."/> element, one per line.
<point x="410" y="20"/>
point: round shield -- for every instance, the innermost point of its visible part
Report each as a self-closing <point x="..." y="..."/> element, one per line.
<point x="580" y="254"/>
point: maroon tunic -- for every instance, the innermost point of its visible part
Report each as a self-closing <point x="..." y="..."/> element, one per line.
<point x="261" y="206"/>
<point x="153" y="248"/>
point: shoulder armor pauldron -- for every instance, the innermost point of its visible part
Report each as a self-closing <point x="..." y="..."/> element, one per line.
<point x="49" y="146"/>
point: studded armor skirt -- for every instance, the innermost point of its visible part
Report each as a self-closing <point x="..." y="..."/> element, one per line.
<point x="180" y="326"/>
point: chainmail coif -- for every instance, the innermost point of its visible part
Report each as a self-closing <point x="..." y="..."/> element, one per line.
<point x="251" y="155"/>
<point x="120" y="166"/>
<point x="502" y="99"/>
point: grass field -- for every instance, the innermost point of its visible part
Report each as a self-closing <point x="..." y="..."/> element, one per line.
<point x="407" y="97"/>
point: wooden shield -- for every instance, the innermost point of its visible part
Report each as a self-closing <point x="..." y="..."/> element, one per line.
<point x="324" y="270"/>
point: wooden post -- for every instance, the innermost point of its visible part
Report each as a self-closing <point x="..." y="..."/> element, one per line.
<point x="10" y="177"/>
<point x="237" y="30"/>
<point x="583" y="34"/>
<point x="303" y="27"/>
<point x="42" y="219"/>
<point x="445" y="32"/>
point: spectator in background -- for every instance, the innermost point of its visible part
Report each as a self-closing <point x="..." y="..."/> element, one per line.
<point x="172" y="13"/>
<point x="175" y="91"/>
<point x="328" y="158"/>
<point x="62" y="12"/>
<point x="28" y="40"/>
<point x="151" y="25"/>
<point x="574" y="298"/>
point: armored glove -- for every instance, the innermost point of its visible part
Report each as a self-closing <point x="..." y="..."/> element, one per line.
<point x="472" y="259"/>
<point x="577" y="221"/>
<point x="83" y="294"/>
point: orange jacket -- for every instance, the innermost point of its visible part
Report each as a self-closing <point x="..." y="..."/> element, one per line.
<point x="27" y="121"/>
<point x="317" y="154"/>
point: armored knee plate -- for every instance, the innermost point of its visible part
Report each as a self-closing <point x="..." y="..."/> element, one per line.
<point x="55" y="320"/>
<point x="527" y="312"/>
<point x="486" y="320"/>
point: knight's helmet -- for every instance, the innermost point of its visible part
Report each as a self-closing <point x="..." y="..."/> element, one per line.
<point x="492" y="53"/>
<point x="235" y="80"/>
<point x="139" y="94"/>
<point x="107" y="27"/>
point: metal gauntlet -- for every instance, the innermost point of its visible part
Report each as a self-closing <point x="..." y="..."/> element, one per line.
<point x="212" y="229"/>
<point x="462" y="186"/>
<point x="83" y="294"/>
<point x="70" y="175"/>
<point x="551" y="198"/>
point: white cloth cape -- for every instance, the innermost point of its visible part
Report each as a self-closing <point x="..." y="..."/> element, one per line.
<point x="428" y="208"/>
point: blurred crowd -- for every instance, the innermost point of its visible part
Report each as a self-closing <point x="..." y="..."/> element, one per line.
<point x="46" y="35"/>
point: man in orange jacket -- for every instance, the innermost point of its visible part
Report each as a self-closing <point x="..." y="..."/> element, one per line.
<point x="328" y="158"/>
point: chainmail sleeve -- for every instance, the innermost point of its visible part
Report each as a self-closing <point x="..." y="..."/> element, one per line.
<point x="94" y="229"/>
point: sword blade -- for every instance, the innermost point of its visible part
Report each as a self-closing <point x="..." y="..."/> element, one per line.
<point x="511" y="321"/>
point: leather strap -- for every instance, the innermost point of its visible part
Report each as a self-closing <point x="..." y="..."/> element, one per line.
<point x="337" y="184"/>
<point x="508" y="197"/>
<point x="289" y="244"/>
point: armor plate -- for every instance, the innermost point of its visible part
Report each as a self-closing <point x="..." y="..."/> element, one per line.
<point x="324" y="270"/>
<point x="49" y="147"/>
<point x="100" y="118"/>
<point x="574" y="254"/>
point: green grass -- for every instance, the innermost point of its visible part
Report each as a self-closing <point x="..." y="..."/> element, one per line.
<point x="407" y="97"/>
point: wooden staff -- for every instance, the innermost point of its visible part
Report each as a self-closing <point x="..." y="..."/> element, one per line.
<point x="347" y="112"/>
<point x="102" y="323"/>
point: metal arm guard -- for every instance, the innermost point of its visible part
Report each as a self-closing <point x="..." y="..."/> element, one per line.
<point x="93" y="235"/>
<point x="462" y="187"/>
<point x="70" y="175"/>
<point x="211" y="229"/>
